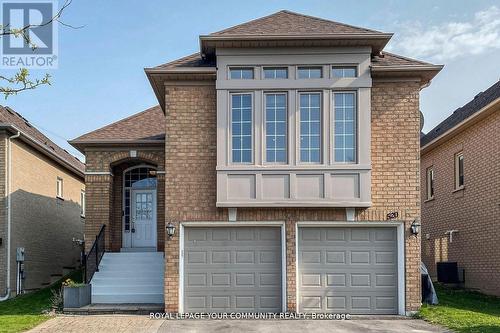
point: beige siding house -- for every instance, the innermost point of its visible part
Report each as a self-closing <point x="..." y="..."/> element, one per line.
<point x="286" y="156"/>
<point x="41" y="193"/>
<point x="460" y="177"/>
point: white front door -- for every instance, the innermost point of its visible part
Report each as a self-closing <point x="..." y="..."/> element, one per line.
<point x="143" y="218"/>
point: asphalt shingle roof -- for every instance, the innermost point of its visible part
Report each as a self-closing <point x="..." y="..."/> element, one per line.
<point x="462" y="113"/>
<point x="11" y="117"/>
<point x="146" y="125"/>
<point x="290" y="23"/>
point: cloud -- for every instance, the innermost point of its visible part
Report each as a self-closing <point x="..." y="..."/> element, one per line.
<point x="450" y="40"/>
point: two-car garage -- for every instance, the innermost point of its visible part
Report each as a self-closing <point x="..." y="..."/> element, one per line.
<point x="339" y="268"/>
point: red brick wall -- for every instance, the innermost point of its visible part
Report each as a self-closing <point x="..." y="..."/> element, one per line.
<point x="191" y="176"/>
<point x="473" y="211"/>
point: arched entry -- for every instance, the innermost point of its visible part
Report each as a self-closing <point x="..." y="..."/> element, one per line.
<point x="139" y="223"/>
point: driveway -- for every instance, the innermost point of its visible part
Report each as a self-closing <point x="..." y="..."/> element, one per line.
<point x="128" y="323"/>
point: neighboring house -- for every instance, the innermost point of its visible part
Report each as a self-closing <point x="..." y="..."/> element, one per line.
<point x="460" y="177"/>
<point x="278" y="152"/>
<point x="41" y="193"/>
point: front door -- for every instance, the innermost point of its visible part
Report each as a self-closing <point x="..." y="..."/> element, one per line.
<point x="143" y="218"/>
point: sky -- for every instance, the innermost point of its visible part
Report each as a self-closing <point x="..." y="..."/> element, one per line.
<point x="100" y="78"/>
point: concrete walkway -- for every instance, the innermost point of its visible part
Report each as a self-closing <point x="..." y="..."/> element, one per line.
<point x="133" y="323"/>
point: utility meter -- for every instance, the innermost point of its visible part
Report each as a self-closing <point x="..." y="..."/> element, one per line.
<point x="20" y="254"/>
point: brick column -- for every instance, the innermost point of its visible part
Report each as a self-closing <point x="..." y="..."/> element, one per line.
<point x="172" y="270"/>
<point x="290" y="266"/>
<point x="98" y="193"/>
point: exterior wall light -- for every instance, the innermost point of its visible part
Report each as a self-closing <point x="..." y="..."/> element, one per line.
<point x="415" y="227"/>
<point x="170" y="230"/>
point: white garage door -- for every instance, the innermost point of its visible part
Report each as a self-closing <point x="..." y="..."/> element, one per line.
<point x="348" y="270"/>
<point x="232" y="269"/>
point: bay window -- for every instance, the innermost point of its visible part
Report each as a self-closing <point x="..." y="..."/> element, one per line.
<point x="310" y="127"/>
<point x="241" y="128"/>
<point x="344" y="119"/>
<point x="276" y="127"/>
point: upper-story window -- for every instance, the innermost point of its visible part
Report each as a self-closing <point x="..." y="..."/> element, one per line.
<point x="241" y="128"/>
<point x="275" y="73"/>
<point x="430" y="183"/>
<point x="59" y="187"/>
<point x="344" y="118"/>
<point x="82" y="203"/>
<point x="459" y="170"/>
<point x="344" y="71"/>
<point x="310" y="127"/>
<point x="244" y="73"/>
<point x="276" y="127"/>
<point x="310" y="72"/>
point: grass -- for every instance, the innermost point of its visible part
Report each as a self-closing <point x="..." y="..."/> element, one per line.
<point x="464" y="311"/>
<point x="27" y="311"/>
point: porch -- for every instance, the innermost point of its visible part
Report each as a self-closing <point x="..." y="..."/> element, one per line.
<point x="126" y="206"/>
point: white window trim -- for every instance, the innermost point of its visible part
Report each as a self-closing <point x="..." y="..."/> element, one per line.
<point x="264" y="68"/>
<point x="264" y="129"/>
<point x="59" y="188"/>
<point x="457" y="172"/>
<point x="343" y="66"/>
<point x="429" y="179"/>
<point x="320" y="67"/>
<point x="230" y="129"/>
<point x="321" y="129"/>
<point x="230" y="68"/>
<point x="356" y="128"/>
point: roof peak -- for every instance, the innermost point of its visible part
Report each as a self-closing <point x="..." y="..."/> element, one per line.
<point x="326" y="26"/>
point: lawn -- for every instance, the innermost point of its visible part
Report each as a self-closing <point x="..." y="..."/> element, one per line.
<point x="27" y="311"/>
<point x="464" y="311"/>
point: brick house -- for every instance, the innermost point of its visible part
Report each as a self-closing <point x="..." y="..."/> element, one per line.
<point x="460" y="177"/>
<point x="41" y="208"/>
<point x="277" y="152"/>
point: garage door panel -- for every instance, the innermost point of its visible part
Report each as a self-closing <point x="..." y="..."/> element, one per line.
<point x="358" y="275"/>
<point x="232" y="269"/>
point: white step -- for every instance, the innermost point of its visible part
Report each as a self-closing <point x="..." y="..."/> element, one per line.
<point x="129" y="289"/>
<point x="127" y="298"/>
<point x="131" y="277"/>
<point x="121" y="281"/>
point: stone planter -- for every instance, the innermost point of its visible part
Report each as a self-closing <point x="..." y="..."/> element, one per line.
<point x="76" y="297"/>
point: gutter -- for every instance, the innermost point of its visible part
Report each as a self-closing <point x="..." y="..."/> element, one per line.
<point x="471" y="120"/>
<point x="8" y="178"/>
<point x="44" y="150"/>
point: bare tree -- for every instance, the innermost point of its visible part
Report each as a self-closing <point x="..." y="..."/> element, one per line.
<point x="21" y="81"/>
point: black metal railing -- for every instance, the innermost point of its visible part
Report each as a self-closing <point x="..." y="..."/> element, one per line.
<point x="93" y="257"/>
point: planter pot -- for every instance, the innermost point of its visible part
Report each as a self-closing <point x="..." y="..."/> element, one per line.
<point x="76" y="297"/>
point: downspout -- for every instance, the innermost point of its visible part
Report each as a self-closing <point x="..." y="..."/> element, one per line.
<point x="8" y="175"/>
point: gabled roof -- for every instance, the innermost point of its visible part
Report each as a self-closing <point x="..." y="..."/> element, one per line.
<point x="146" y="127"/>
<point x="286" y="28"/>
<point x="191" y="61"/>
<point x="14" y="122"/>
<point x="289" y="23"/>
<point x="464" y="113"/>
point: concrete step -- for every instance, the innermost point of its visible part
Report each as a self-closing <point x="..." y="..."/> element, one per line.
<point x="128" y="289"/>
<point x="112" y="298"/>
<point x="119" y="267"/>
<point x="131" y="277"/>
<point x="122" y="281"/>
<point x="133" y="254"/>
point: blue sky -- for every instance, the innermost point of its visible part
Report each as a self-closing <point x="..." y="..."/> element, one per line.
<point x="100" y="78"/>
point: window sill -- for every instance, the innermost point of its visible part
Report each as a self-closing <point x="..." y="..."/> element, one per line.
<point x="461" y="188"/>
<point x="429" y="200"/>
